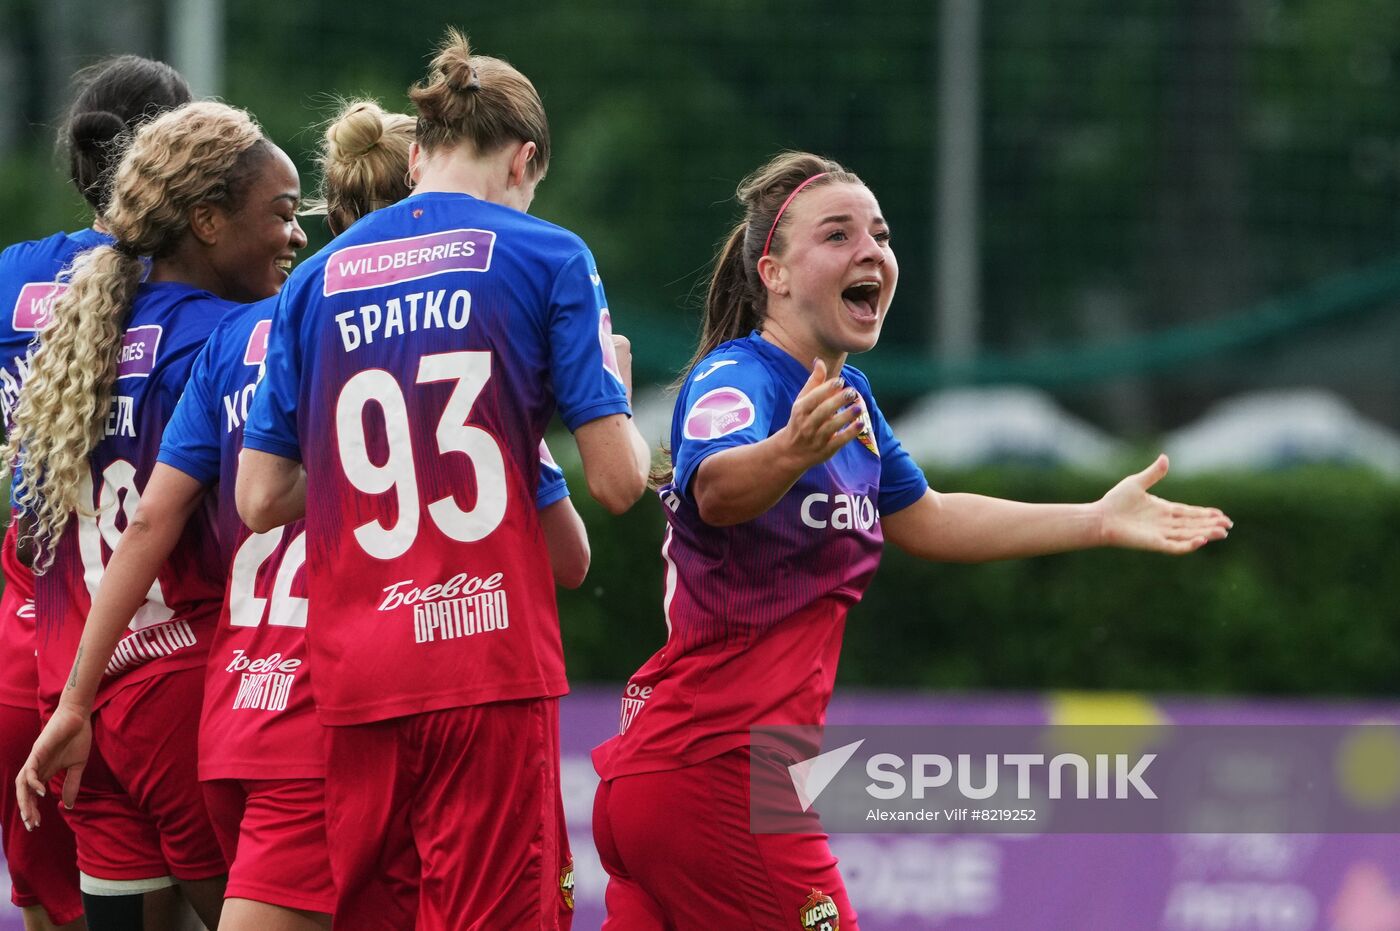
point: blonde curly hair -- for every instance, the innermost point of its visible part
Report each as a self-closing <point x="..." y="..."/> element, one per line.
<point x="202" y="152"/>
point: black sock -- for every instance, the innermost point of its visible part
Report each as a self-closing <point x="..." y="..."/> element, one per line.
<point x="113" y="912"/>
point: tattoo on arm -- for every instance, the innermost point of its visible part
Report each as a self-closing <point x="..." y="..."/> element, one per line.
<point x="73" y="677"/>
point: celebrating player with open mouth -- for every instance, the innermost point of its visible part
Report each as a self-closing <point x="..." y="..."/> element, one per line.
<point x="414" y="364"/>
<point x="786" y="482"/>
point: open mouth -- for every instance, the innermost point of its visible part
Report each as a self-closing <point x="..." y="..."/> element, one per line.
<point x="283" y="265"/>
<point x="862" y="299"/>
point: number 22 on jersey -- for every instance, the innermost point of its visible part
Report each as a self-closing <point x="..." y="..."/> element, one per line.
<point x="245" y="608"/>
<point x="468" y="372"/>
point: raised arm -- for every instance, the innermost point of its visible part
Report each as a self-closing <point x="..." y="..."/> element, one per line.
<point x="166" y="504"/>
<point x="271" y="490"/>
<point x="737" y="485"/>
<point x="973" y="528"/>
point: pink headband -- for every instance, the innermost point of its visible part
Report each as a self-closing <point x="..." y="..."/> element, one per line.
<point x="783" y="209"/>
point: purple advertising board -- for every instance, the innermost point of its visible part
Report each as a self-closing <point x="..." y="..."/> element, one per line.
<point x="1071" y="882"/>
<point x="1078" y="882"/>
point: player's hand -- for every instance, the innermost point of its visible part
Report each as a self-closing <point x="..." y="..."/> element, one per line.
<point x="1133" y="519"/>
<point x="64" y="744"/>
<point x="622" y="347"/>
<point x="826" y="415"/>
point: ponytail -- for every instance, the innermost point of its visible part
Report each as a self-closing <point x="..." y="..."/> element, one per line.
<point x="69" y="390"/>
<point x="200" y="153"/>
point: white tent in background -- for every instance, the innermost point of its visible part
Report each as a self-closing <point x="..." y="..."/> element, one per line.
<point x="1270" y="429"/>
<point x="966" y="427"/>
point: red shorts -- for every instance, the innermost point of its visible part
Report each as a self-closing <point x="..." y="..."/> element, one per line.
<point x="147" y="817"/>
<point x="43" y="863"/>
<point x="456" y="813"/>
<point x="116" y="841"/>
<point x="273" y="833"/>
<point x="679" y="854"/>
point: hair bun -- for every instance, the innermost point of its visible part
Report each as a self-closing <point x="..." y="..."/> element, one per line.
<point x="94" y="129"/>
<point x="459" y="75"/>
<point x="356" y="132"/>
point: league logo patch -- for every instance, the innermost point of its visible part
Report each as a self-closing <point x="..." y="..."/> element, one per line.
<point x="566" y="885"/>
<point x="867" y="433"/>
<point x="819" y="913"/>
<point x="377" y="264"/>
<point x="137" y="358"/>
<point x="718" y="413"/>
<point x="34" y="308"/>
<point x="605" y="342"/>
<point x="546" y="457"/>
<point x="256" y="353"/>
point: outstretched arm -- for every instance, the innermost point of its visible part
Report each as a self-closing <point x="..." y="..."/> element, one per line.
<point x="169" y="499"/>
<point x="973" y="528"/>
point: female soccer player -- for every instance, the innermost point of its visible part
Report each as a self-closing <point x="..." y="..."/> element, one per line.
<point x="110" y="99"/>
<point x="261" y="748"/>
<point x="413" y="367"/>
<point x="210" y="203"/>
<point x="786" y="481"/>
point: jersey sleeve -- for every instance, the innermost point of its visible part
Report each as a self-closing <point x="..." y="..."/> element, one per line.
<point x="272" y="420"/>
<point x="583" y="365"/>
<point x="552" y="487"/>
<point x="725" y="403"/>
<point x="191" y="439"/>
<point x="902" y="482"/>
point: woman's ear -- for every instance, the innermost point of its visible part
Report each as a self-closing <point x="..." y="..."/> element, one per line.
<point x="774" y="275"/>
<point x="207" y="222"/>
<point x="520" y="163"/>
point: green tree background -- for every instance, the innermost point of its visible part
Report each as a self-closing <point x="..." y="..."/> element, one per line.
<point x="1145" y="164"/>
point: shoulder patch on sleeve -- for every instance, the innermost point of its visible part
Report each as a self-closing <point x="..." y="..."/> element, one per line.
<point x="34" y="308"/>
<point x="718" y="413"/>
<point x="605" y="342"/>
<point x="256" y="352"/>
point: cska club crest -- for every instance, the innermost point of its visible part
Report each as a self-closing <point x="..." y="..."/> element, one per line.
<point x="819" y="913"/>
<point x="867" y="433"/>
<point x="566" y="885"/>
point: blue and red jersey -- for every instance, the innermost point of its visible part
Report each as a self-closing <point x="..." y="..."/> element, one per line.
<point x="414" y="364"/>
<point x="258" y="720"/>
<point x="259" y="717"/>
<point x="167" y="326"/>
<point x="755" y="612"/>
<point x="28" y="288"/>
